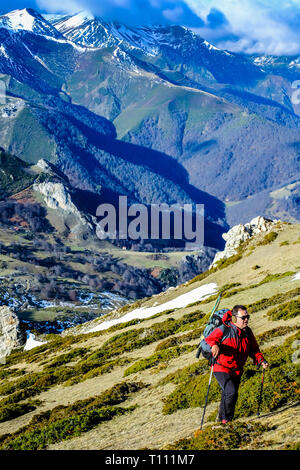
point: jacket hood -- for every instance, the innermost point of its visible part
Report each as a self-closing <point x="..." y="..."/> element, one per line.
<point x="227" y="317"/>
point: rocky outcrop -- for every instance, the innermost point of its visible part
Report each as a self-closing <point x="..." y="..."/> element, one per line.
<point x="191" y="265"/>
<point x="12" y="334"/>
<point x="50" y="169"/>
<point x="58" y="196"/>
<point x="241" y="233"/>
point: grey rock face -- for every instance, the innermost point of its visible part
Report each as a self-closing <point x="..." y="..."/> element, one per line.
<point x="12" y="334"/>
<point x="57" y="196"/>
<point x="191" y="265"/>
<point x="240" y="233"/>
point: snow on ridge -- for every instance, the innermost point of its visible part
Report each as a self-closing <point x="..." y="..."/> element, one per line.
<point x="3" y="52"/>
<point x="20" y="19"/>
<point x="296" y="277"/>
<point x="183" y="300"/>
<point x="74" y="21"/>
<point x="28" y="20"/>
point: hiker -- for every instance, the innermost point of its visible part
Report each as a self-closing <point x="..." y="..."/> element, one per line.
<point x="230" y="354"/>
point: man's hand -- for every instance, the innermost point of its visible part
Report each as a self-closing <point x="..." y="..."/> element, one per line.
<point x="265" y="364"/>
<point x="215" y="350"/>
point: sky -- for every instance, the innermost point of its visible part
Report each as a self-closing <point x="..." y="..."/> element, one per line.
<point x="249" y="26"/>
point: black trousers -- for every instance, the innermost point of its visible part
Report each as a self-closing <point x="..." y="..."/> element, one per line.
<point x="230" y="386"/>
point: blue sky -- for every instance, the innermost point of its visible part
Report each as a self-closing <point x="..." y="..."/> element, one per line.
<point x="251" y="26"/>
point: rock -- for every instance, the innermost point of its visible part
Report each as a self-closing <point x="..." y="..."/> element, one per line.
<point x="296" y="344"/>
<point x="241" y="233"/>
<point x="58" y="196"/>
<point x="296" y="355"/>
<point x="191" y="265"/>
<point x="12" y="334"/>
<point x="50" y="169"/>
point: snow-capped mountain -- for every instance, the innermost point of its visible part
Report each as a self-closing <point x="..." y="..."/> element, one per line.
<point x="226" y="119"/>
<point x="288" y="66"/>
<point x="87" y="30"/>
<point x="169" y="47"/>
<point x="28" y="20"/>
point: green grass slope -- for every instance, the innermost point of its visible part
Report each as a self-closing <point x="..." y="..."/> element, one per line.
<point x="138" y="385"/>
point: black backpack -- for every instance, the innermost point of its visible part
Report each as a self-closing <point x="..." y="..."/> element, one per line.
<point x="214" y="322"/>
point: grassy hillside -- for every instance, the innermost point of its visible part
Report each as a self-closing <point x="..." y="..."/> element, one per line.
<point x="138" y="385"/>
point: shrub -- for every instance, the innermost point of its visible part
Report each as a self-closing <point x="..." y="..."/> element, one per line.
<point x="270" y="334"/>
<point x="134" y="339"/>
<point x="275" y="299"/>
<point x="269" y="238"/>
<point x="176" y="340"/>
<point x="285" y="311"/>
<point x="67" y="357"/>
<point x="65" y="422"/>
<point x="156" y="358"/>
<point x="11" y="411"/>
<point x="185" y="374"/>
<point x="63" y="429"/>
<point x="234" y="436"/>
<point x="223" y="263"/>
<point x="292" y="446"/>
<point x="191" y="394"/>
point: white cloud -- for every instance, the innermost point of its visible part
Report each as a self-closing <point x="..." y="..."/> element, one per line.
<point x="261" y="26"/>
<point x="57" y="6"/>
<point x="174" y="14"/>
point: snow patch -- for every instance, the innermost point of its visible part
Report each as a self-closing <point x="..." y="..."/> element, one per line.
<point x="183" y="300"/>
<point x="3" y="51"/>
<point x="296" y="277"/>
<point x="75" y="21"/>
<point x="20" y="19"/>
<point x="32" y="342"/>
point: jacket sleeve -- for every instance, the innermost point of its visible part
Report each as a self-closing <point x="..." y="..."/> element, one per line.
<point x="255" y="353"/>
<point x="215" y="337"/>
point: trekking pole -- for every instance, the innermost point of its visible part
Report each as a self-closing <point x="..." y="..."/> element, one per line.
<point x="210" y="377"/>
<point x="260" y="392"/>
<point x="216" y="304"/>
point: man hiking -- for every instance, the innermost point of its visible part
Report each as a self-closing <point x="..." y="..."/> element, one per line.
<point x="231" y="344"/>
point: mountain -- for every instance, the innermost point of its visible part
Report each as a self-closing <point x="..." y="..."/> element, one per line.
<point x="131" y="381"/>
<point x="77" y="140"/>
<point x="93" y="110"/>
<point x="157" y="114"/>
<point x="55" y="271"/>
<point x="222" y="143"/>
<point x="28" y="20"/>
<point x="160" y="46"/>
<point x="287" y="66"/>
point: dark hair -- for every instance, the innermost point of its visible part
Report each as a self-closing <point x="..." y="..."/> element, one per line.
<point x="236" y="308"/>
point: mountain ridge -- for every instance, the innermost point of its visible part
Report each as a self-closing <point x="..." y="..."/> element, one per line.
<point x="176" y="104"/>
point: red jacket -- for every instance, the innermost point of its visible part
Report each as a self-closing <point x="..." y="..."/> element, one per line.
<point x="235" y="348"/>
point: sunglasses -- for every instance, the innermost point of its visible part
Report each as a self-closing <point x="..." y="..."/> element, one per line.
<point x="245" y="317"/>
